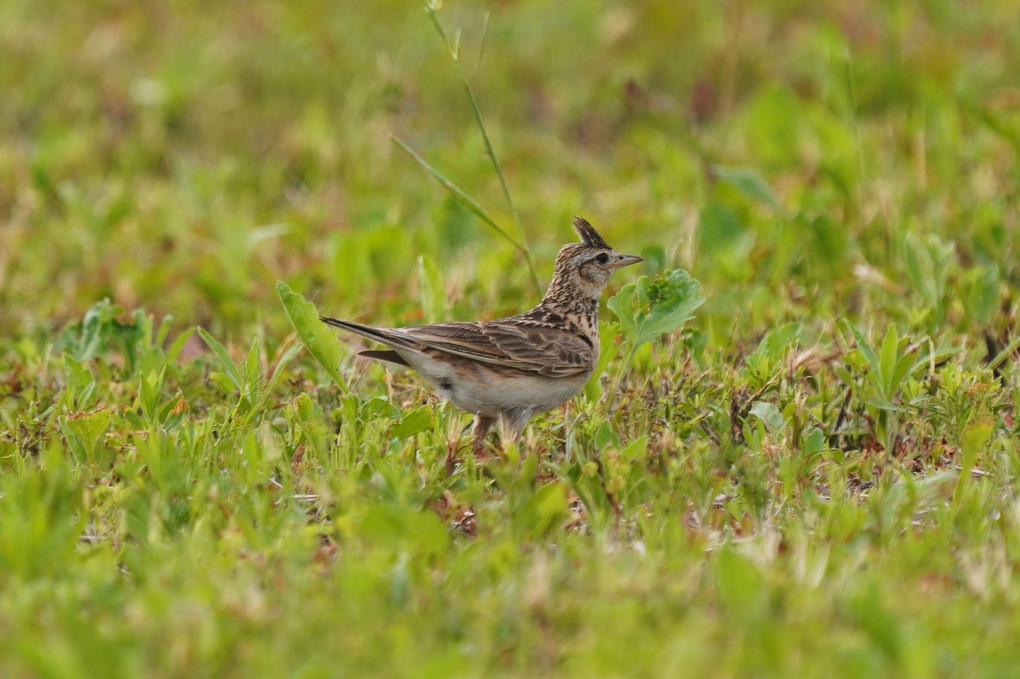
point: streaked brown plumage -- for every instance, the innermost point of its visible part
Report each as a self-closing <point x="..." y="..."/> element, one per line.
<point x="513" y="368"/>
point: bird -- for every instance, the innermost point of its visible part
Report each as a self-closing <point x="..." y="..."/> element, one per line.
<point x="510" y="369"/>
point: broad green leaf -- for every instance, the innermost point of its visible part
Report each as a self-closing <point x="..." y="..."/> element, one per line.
<point x="636" y="449"/>
<point x="749" y="183"/>
<point x="377" y="405"/>
<point x="86" y="432"/>
<point x="605" y="437"/>
<point x="150" y="392"/>
<point x="769" y="414"/>
<point x="414" y="422"/>
<point x="320" y="341"/>
<point x="778" y="342"/>
<point x="651" y="307"/>
<point x="93" y="329"/>
<point x="813" y="442"/>
<point x="655" y="258"/>
<point x="81" y="389"/>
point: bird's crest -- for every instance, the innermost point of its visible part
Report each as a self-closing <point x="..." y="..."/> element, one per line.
<point x="589" y="235"/>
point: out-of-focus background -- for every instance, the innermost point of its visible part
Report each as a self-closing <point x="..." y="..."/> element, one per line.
<point x="183" y="156"/>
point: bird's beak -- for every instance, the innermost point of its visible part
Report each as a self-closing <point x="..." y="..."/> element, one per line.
<point x="626" y="260"/>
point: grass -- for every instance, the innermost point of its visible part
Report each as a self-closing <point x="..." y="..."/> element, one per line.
<point x="815" y="476"/>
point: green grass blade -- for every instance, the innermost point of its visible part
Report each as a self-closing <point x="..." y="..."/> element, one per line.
<point x="862" y="345"/>
<point x="459" y="195"/>
<point x="226" y="362"/>
<point x="975" y="438"/>
<point x="431" y="8"/>
<point x="888" y="354"/>
<point x="1001" y="357"/>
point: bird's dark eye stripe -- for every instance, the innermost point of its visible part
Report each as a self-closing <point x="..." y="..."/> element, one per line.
<point x="603" y="258"/>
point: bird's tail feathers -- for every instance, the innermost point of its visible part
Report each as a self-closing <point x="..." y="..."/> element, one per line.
<point x="390" y="338"/>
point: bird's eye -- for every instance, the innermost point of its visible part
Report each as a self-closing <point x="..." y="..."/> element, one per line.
<point x="602" y="259"/>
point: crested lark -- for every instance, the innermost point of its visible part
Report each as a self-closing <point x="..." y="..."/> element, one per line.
<point x="513" y="368"/>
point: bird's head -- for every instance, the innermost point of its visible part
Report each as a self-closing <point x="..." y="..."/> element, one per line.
<point x="585" y="267"/>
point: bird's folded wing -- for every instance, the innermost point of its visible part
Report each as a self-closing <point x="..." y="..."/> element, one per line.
<point x="543" y="350"/>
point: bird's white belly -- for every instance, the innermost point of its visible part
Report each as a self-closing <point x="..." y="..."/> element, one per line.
<point x="533" y="392"/>
<point x="478" y="389"/>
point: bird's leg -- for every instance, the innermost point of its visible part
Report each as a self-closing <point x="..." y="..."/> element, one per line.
<point x="514" y="422"/>
<point x="483" y="423"/>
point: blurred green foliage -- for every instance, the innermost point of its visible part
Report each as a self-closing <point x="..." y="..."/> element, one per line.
<point x="182" y="158"/>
